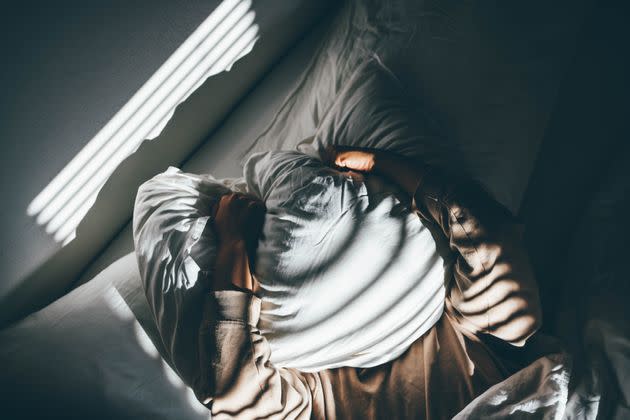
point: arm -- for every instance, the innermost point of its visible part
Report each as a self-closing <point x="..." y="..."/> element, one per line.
<point x="495" y="290"/>
<point x="238" y="381"/>
<point x="241" y="381"/>
<point x="209" y="326"/>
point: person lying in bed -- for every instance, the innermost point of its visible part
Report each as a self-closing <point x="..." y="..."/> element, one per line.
<point x="492" y="309"/>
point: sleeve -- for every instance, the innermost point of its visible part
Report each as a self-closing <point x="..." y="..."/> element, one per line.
<point x="491" y="273"/>
<point x="238" y="380"/>
<point x="210" y="338"/>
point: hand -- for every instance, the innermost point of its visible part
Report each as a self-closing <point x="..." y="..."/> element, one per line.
<point x="356" y="160"/>
<point x="402" y="171"/>
<point x="238" y="218"/>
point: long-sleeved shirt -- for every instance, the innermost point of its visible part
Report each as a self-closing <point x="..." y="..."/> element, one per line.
<point x="435" y="378"/>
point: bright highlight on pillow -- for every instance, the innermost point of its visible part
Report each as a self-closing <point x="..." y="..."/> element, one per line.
<point x="349" y="275"/>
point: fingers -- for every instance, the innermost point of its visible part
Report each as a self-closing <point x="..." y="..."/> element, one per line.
<point x="355" y="160"/>
<point x="351" y="157"/>
<point x="223" y="208"/>
<point x="509" y="272"/>
<point x="481" y="279"/>
<point x="237" y="201"/>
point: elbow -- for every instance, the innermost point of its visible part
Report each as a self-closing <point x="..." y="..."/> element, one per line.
<point x="524" y="327"/>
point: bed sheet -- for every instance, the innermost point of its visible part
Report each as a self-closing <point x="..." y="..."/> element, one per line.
<point x="594" y="311"/>
<point x="94" y="353"/>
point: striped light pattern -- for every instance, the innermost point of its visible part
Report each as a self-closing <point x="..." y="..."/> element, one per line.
<point x="226" y="35"/>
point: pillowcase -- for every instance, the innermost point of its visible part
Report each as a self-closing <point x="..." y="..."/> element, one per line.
<point x="373" y="110"/>
<point x="370" y="109"/>
<point x="349" y="38"/>
<point x="349" y="275"/>
<point x="487" y="76"/>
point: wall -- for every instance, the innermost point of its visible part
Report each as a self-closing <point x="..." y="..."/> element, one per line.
<point x="69" y="70"/>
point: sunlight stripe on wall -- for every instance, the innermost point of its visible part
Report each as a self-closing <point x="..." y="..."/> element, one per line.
<point x="226" y="35"/>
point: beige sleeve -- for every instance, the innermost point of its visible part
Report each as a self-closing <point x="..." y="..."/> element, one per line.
<point x="237" y="378"/>
<point x="494" y="289"/>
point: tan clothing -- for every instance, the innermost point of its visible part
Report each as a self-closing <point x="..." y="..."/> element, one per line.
<point x="435" y="378"/>
<point x="441" y="372"/>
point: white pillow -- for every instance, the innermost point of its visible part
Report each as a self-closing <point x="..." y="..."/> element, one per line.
<point x="349" y="275"/>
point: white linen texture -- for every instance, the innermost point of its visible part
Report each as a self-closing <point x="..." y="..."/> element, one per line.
<point x="349" y="274"/>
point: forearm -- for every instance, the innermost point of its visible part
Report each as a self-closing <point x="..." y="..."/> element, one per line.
<point x="211" y="336"/>
<point x="237" y="377"/>
<point x="432" y="185"/>
<point x="232" y="267"/>
<point x="495" y="290"/>
<point x="238" y="380"/>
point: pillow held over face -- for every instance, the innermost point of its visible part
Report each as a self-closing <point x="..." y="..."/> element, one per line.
<point x="349" y="275"/>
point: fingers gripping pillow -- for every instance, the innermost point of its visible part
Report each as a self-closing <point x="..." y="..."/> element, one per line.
<point x="349" y="275"/>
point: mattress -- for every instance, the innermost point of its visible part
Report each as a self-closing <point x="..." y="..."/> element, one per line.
<point x="94" y="353"/>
